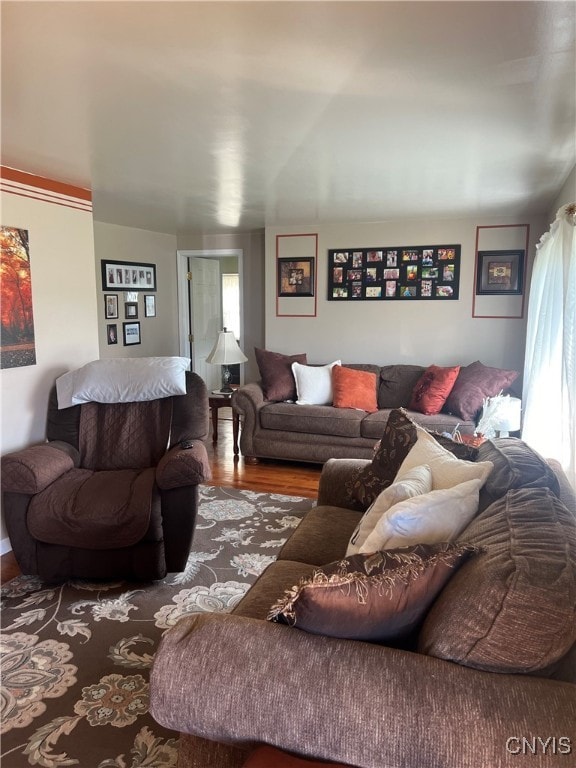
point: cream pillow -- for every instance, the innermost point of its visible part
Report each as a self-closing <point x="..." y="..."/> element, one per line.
<point x="447" y="470"/>
<point x="313" y="383"/>
<point x="414" y="483"/>
<point x="431" y="518"/>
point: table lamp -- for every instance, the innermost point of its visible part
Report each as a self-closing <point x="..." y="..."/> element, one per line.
<point x="226" y="352"/>
<point x="500" y="416"/>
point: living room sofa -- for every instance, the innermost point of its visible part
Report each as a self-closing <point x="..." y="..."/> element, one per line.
<point x="487" y="679"/>
<point x="273" y="429"/>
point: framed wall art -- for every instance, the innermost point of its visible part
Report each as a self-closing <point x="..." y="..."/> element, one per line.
<point x="131" y="334"/>
<point x="150" y="306"/>
<point x="110" y="306"/>
<point x="112" y="333"/>
<point x="127" y="276"/>
<point x="296" y="277"/>
<point x="430" y="272"/>
<point x="500" y="272"/>
<point x="131" y="310"/>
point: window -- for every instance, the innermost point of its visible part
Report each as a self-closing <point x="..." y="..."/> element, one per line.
<point x="231" y="303"/>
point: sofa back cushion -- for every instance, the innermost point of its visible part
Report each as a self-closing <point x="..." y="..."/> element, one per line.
<point x="516" y="465"/>
<point x="512" y="608"/>
<point x="396" y="384"/>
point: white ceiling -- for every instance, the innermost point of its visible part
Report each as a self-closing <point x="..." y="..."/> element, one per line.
<point x="210" y="116"/>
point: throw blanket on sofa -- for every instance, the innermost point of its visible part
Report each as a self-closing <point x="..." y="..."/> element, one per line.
<point x="124" y="434"/>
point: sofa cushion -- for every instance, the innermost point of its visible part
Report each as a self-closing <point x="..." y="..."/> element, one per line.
<point x="276" y="373"/>
<point x="399" y="436"/>
<point x="512" y="608"/>
<point x="314" y="383"/>
<point x="314" y="419"/>
<point x="429" y="518"/>
<point x="516" y="465"/>
<point x="476" y="382"/>
<point x="354" y="389"/>
<point x="376" y="597"/>
<point x="414" y="483"/>
<point x="447" y="470"/>
<point x="432" y="389"/>
<point x="373" y="424"/>
<point x="396" y="384"/>
<point x="322" y="536"/>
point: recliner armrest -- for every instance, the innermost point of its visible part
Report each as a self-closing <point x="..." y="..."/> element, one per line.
<point x="35" y="468"/>
<point x="180" y="467"/>
<point x="336" y="475"/>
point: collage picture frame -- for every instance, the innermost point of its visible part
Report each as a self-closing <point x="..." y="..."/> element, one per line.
<point x="429" y="272"/>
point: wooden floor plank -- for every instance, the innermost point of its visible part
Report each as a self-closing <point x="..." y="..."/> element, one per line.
<point x="268" y="476"/>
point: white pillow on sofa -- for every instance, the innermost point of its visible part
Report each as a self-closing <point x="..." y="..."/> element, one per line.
<point x="314" y="383"/>
<point x="447" y="470"/>
<point x="415" y="482"/>
<point x="431" y="518"/>
<point x="123" y="380"/>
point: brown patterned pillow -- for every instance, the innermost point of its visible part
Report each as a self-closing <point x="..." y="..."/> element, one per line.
<point x="374" y="597"/>
<point x="399" y="437"/>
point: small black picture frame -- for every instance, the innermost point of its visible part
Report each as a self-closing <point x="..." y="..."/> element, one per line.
<point x="500" y="273"/>
<point x="131" y="333"/>
<point x="110" y="306"/>
<point x="150" y="306"/>
<point x="131" y="310"/>
<point x="112" y="333"/>
<point x="296" y="277"/>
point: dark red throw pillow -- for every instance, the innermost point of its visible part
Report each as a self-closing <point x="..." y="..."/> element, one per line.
<point x="276" y="373"/>
<point x="474" y="384"/>
<point x="432" y="389"/>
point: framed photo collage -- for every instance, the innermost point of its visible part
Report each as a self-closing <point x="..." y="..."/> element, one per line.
<point x="401" y="272"/>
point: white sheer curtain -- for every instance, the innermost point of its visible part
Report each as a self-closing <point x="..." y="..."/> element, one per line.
<point x="550" y="365"/>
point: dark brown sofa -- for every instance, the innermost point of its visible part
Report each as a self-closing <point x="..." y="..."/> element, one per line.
<point x="491" y="670"/>
<point x="316" y="433"/>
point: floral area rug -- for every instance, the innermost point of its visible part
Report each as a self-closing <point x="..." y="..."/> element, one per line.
<point x="76" y="657"/>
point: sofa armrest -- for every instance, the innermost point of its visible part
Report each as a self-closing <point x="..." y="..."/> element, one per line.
<point x="237" y="680"/>
<point x="180" y="467"/>
<point x="334" y="479"/>
<point x="247" y="401"/>
<point x="33" y="469"/>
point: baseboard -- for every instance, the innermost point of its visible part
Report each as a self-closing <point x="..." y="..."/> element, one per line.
<point x="5" y="546"/>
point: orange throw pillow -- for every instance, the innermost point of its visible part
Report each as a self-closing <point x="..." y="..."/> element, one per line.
<point x="432" y="389"/>
<point x="354" y="389"/>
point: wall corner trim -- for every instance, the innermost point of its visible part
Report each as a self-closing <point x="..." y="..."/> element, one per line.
<point x="23" y="184"/>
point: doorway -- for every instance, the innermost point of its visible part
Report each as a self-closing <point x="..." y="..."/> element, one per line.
<point x="203" y="303"/>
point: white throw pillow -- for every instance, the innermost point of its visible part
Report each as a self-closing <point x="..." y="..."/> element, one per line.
<point x="414" y="483"/>
<point x="432" y="518"/>
<point x="123" y="380"/>
<point x="447" y="470"/>
<point x="314" y="383"/>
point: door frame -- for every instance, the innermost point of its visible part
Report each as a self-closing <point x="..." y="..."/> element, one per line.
<point x="182" y="256"/>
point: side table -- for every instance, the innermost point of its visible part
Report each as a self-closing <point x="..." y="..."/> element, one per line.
<point x="216" y="401"/>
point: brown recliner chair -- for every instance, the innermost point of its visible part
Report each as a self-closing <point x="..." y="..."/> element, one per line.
<point x="113" y="493"/>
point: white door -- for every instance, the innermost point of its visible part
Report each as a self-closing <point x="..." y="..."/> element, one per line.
<point x="205" y="317"/>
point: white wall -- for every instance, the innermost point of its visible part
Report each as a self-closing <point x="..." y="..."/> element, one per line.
<point x="382" y="332"/>
<point x="159" y="335"/>
<point x="64" y="305"/>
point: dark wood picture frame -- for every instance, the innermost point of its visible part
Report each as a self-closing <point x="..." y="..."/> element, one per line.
<point x="110" y="306"/>
<point x="131" y="334"/>
<point x="127" y="276"/>
<point x="131" y="310"/>
<point x="500" y="273"/>
<point x="296" y="276"/>
<point x="394" y="273"/>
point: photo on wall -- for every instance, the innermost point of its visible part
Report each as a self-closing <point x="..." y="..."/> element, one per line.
<point x="403" y="273"/>
<point x="17" y="339"/>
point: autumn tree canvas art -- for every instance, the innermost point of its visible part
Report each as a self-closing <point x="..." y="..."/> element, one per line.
<point x="17" y="347"/>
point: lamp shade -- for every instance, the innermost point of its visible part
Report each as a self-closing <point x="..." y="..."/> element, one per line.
<point x="508" y="417"/>
<point x="226" y="350"/>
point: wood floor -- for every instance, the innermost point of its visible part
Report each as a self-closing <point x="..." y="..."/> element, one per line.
<point x="267" y="476"/>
